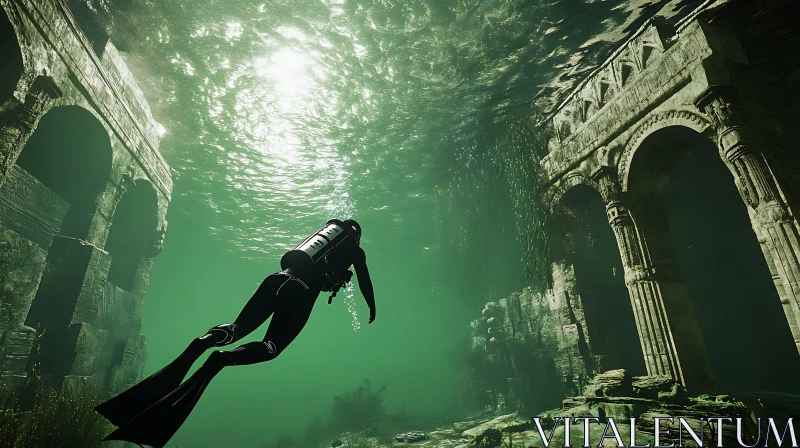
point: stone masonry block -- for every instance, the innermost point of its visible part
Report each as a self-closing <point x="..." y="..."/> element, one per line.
<point x="90" y="344"/>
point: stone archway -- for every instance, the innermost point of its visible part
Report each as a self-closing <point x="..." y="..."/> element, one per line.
<point x="696" y="226"/>
<point x="131" y="236"/>
<point x="70" y="154"/>
<point x="60" y="173"/>
<point x="11" y="55"/>
<point x="132" y="228"/>
<point x="589" y="245"/>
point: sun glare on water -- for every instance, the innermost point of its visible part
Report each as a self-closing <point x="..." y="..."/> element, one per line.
<point x="291" y="72"/>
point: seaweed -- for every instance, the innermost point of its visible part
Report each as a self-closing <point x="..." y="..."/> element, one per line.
<point x="359" y="409"/>
<point x="65" y="419"/>
<point x="355" y="417"/>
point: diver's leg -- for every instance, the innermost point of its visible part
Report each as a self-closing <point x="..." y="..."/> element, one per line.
<point x="133" y="401"/>
<point x="286" y="324"/>
<point x="159" y="422"/>
<point x="269" y="297"/>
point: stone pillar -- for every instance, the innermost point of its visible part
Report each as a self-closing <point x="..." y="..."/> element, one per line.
<point x="20" y="122"/>
<point x="773" y="222"/>
<point x="668" y="331"/>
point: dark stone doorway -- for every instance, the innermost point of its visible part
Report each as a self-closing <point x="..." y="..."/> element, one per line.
<point x="697" y="218"/>
<point x="591" y="247"/>
<point x="745" y="330"/>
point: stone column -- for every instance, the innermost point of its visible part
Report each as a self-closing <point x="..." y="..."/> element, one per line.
<point x="770" y="216"/>
<point x="668" y="331"/>
<point x="20" y="122"/>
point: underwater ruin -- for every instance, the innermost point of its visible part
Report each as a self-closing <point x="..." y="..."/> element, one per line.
<point x="83" y="198"/>
<point x="648" y="181"/>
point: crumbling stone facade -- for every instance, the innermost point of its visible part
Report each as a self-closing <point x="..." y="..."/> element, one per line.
<point x="83" y="198"/>
<point x="618" y="134"/>
<point x="530" y="348"/>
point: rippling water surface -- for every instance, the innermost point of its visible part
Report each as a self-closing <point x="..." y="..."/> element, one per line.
<point x="319" y="106"/>
<point x="414" y="117"/>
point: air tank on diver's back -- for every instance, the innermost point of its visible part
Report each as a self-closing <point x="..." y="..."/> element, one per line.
<point x="302" y="259"/>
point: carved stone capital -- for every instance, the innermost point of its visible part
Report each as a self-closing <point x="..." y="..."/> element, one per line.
<point x="607" y="182"/>
<point x="616" y="209"/>
<point x="721" y="105"/>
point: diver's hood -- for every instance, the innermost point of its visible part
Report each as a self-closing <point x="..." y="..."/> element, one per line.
<point x="312" y="250"/>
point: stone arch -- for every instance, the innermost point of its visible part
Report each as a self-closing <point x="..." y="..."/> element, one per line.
<point x="560" y="189"/>
<point x="651" y="125"/>
<point x="70" y="153"/>
<point x="133" y="226"/>
<point x="12" y="56"/>
<point x="697" y="230"/>
<point x="581" y="237"/>
<point x="67" y="163"/>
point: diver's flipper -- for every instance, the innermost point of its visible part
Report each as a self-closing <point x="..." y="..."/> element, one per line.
<point x="127" y="405"/>
<point x="155" y="426"/>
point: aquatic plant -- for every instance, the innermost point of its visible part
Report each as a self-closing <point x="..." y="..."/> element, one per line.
<point x="358" y="409"/>
<point x="65" y="420"/>
<point x="355" y="416"/>
<point x="354" y="440"/>
<point x="509" y="443"/>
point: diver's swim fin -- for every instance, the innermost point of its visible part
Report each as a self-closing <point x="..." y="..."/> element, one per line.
<point x="155" y="426"/>
<point x="130" y="403"/>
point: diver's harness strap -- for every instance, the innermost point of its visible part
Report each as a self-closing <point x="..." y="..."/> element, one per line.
<point x="343" y="278"/>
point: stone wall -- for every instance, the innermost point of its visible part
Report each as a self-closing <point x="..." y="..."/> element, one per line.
<point x="29" y="208"/>
<point x="530" y="349"/>
<point x="63" y="322"/>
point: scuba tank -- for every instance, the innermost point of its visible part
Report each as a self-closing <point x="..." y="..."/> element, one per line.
<point x="312" y="251"/>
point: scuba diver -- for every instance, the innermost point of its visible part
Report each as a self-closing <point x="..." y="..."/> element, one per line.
<point x="150" y="412"/>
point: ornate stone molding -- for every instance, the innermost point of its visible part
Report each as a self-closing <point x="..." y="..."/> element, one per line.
<point x="650" y="125"/>
<point x="757" y="187"/>
<point x="556" y="193"/>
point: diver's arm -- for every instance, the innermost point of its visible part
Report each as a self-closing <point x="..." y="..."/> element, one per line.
<point x="364" y="282"/>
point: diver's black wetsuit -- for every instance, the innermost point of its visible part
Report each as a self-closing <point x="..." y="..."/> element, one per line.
<point x="151" y="412"/>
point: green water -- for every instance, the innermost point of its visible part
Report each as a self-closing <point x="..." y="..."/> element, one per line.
<point x="412" y="117"/>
